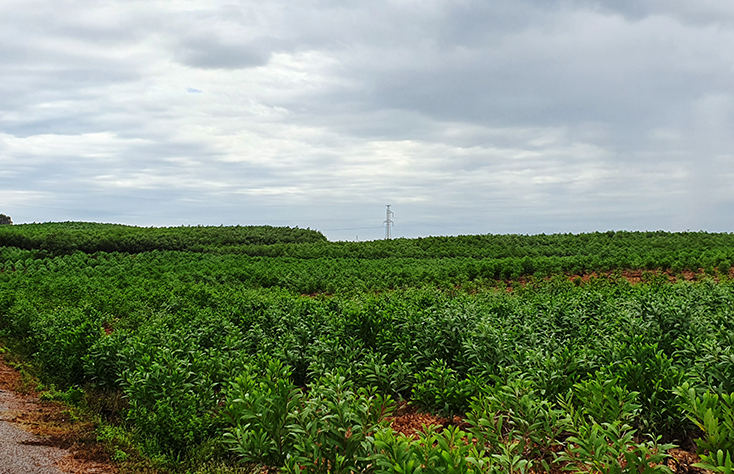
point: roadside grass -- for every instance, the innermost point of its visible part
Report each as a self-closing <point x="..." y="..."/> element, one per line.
<point x="90" y="424"/>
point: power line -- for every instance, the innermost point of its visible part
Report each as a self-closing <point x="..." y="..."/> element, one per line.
<point x="348" y="228"/>
<point x="442" y="226"/>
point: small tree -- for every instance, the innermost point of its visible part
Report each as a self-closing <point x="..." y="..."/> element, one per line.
<point x="5" y="220"/>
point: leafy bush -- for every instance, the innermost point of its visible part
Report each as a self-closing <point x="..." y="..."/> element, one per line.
<point x="715" y="366"/>
<point x="172" y="394"/>
<point x="394" y="379"/>
<point x="601" y="399"/>
<point x="713" y="413"/>
<point x="333" y="427"/>
<point x="512" y="420"/>
<point x="439" y="388"/>
<point x="718" y="462"/>
<point x="63" y="338"/>
<point x="643" y="368"/>
<point x="449" y="451"/>
<point x="610" y="448"/>
<point x="103" y="363"/>
<point x="258" y="406"/>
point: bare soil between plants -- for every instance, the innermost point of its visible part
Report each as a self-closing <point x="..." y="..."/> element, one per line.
<point x="409" y="421"/>
<point x="43" y="437"/>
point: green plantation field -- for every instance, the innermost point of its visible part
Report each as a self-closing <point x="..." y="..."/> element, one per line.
<point x="275" y="347"/>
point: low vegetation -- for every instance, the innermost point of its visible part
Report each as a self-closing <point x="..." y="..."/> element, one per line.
<point x="226" y="347"/>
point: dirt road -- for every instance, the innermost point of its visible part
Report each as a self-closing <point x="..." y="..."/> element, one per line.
<point x="20" y="451"/>
<point x="40" y="437"/>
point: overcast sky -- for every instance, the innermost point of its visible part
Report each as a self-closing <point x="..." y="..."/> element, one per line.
<point x="468" y="117"/>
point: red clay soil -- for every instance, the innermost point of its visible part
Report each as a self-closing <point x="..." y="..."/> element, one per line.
<point x="633" y="276"/>
<point x="638" y="276"/>
<point x="407" y="420"/>
<point x="54" y="425"/>
<point x="682" y="461"/>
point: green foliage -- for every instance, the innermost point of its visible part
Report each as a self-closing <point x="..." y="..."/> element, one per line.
<point x="72" y="395"/>
<point x="450" y="451"/>
<point x="643" y="368"/>
<point x="68" y="237"/>
<point x="713" y="413"/>
<point x="714" y="365"/>
<point x="333" y="425"/>
<point x="171" y="392"/>
<point x="103" y="362"/>
<point x="325" y="429"/>
<point x="258" y="406"/>
<point x="291" y="344"/>
<point x="513" y="422"/>
<point x="394" y="379"/>
<point x="439" y="388"/>
<point x="598" y="412"/>
<point x="610" y="448"/>
<point x="602" y="399"/>
<point x="62" y="339"/>
<point x="717" y="462"/>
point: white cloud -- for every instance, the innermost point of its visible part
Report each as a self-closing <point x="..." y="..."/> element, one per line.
<point x="511" y="116"/>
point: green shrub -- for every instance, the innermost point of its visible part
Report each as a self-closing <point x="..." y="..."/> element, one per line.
<point x="103" y="364"/>
<point x="63" y="339"/>
<point x="513" y="420"/>
<point x="610" y="448"/>
<point x="172" y="394"/>
<point x="394" y="379"/>
<point x="258" y="404"/>
<point x="602" y="399"/>
<point x="439" y="388"/>
<point x="713" y="413"/>
<point x="718" y="462"/>
<point x="643" y="368"/>
<point x="334" y="426"/>
<point x="450" y="451"/>
<point x="715" y="366"/>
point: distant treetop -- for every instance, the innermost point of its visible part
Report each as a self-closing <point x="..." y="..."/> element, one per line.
<point x="66" y="237"/>
<point x="5" y="220"/>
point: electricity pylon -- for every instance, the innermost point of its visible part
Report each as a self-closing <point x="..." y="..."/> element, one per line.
<point x="389" y="222"/>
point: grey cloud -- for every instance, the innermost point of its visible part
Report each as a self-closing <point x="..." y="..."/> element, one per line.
<point x="468" y="116"/>
<point x="623" y="76"/>
<point x="705" y="12"/>
<point x="209" y="53"/>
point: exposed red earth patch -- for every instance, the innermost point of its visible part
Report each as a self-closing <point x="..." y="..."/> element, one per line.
<point x="639" y="276"/>
<point x="407" y="420"/>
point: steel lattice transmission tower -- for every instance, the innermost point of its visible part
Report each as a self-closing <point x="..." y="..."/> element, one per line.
<point x="388" y="222"/>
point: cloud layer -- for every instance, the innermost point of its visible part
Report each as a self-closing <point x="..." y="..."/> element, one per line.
<point x="466" y="116"/>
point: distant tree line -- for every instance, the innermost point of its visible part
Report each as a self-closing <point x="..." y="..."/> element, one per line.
<point x="67" y="237"/>
<point x="5" y="220"/>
